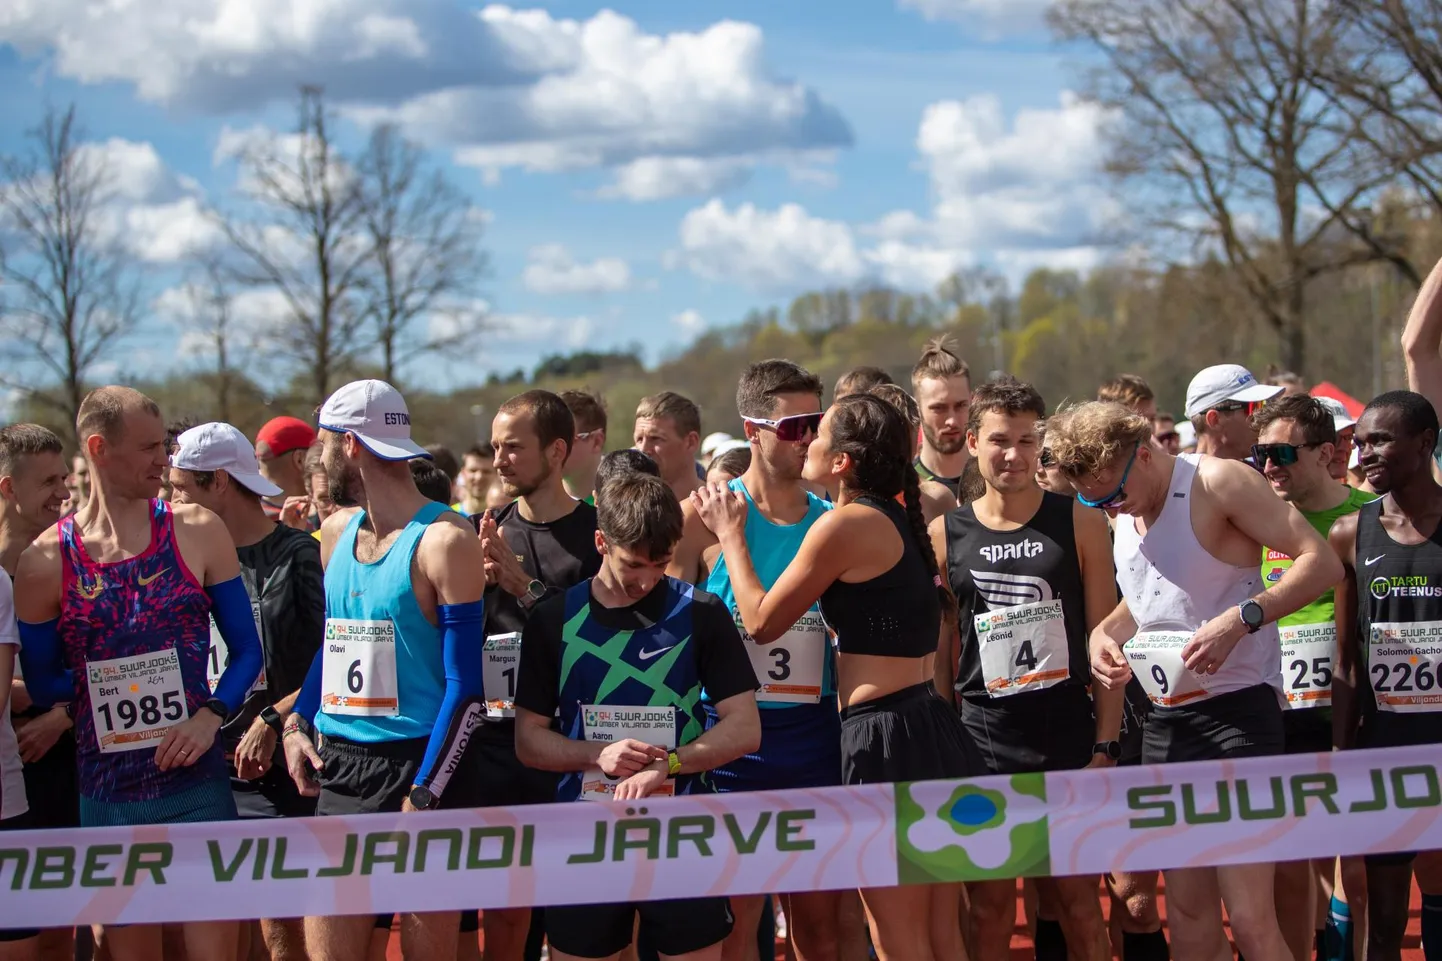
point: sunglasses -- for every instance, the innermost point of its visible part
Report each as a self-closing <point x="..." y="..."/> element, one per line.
<point x="793" y="428"/>
<point x="1168" y="437"/>
<point x="583" y="434"/>
<point x="1047" y="459"/>
<point x="1117" y="497"/>
<point x="1283" y="455"/>
<point x="1232" y="406"/>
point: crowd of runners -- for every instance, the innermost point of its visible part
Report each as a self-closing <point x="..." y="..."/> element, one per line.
<point x="944" y="582"/>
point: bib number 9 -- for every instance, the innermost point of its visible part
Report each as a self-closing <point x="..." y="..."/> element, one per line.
<point x="1160" y="676"/>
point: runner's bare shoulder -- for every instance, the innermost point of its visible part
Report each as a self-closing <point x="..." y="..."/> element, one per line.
<point x="38" y="577"/>
<point x="1343" y="538"/>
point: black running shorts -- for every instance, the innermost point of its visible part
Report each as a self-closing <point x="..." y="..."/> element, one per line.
<point x="376" y="778"/>
<point x="21" y="822"/>
<point x="1051" y="730"/>
<point x="503" y="780"/>
<point x="1245" y="723"/>
<point x="671" y="927"/>
<point x="909" y="735"/>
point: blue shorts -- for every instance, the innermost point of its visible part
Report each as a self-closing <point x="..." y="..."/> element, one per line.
<point x="210" y="800"/>
<point x="800" y="747"/>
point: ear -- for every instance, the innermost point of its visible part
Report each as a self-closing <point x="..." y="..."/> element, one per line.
<point x="7" y="487"/>
<point x="841" y="464"/>
<point x="221" y="483"/>
<point x="1326" y="452"/>
<point x="1212" y="419"/>
<point x="95" y="446"/>
<point x="693" y="442"/>
<point x="558" y="451"/>
<point x="971" y="442"/>
<point x="600" y="543"/>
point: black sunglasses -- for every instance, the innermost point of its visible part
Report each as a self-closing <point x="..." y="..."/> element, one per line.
<point x="1283" y="455"/>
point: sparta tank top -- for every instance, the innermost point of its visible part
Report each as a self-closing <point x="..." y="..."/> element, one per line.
<point x="1021" y="602"/>
<point x="136" y="634"/>
<point x="800" y="667"/>
<point x="1399" y="614"/>
<point x="1173" y="586"/>
<point x="383" y="677"/>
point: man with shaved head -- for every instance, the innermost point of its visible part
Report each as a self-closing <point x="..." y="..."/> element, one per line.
<point x="127" y="586"/>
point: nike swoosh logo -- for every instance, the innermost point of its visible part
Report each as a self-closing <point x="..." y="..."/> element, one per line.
<point x="647" y="655"/>
<point x="1372" y="560"/>
<point x="145" y="581"/>
<point x="356" y="593"/>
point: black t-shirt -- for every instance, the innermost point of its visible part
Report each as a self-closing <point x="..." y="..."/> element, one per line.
<point x="283" y="572"/>
<point x="559" y="555"/>
<point x="722" y="664"/>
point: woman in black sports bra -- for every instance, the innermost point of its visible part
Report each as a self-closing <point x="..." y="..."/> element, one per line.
<point x="869" y="562"/>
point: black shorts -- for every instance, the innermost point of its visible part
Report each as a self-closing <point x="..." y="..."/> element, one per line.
<point x="1390" y="729"/>
<point x="20" y="822"/>
<point x="1245" y="723"/>
<point x="504" y="780"/>
<point x="909" y="735"/>
<point x="671" y="927"/>
<point x="1051" y="730"/>
<point x="1308" y="730"/>
<point x="1136" y="708"/>
<point x="272" y="795"/>
<point x="376" y="778"/>
<point x="52" y="786"/>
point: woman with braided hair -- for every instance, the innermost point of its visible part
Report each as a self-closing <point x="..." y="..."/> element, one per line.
<point x="869" y="563"/>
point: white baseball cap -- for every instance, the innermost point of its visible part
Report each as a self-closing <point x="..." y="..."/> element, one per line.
<point x="376" y="414"/>
<point x="1186" y="435"/>
<point x="713" y="442"/>
<point x="216" y="446"/>
<point x="1223" y="383"/>
<point x="1340" y="418"/>
<point x="729" y="446"/>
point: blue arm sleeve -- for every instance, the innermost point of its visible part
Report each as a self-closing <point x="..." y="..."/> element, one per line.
<point x="46" y="679"/>
<point x="463" y="650"/>
<point x="307" y="702"/>
<point x="230" y="605"/>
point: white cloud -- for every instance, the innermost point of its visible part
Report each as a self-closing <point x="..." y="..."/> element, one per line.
<point x="1015" y="194"/>
<point x="1018" y="14"/>
<point x="768" y="251"/>
<point x="522" y="334"/>
<point x="689" y="321"/>
<point x="657" y="178"/>
<point x="552" y="270"/>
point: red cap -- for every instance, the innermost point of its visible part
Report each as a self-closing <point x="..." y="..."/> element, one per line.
<point x="281" y="435"/>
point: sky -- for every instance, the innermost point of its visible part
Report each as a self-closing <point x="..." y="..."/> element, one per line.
<point x="647" y="169"/>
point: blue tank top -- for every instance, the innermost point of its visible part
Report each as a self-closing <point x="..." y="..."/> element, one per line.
<point x="382" y="591"/>
<point x="772" y="548"/>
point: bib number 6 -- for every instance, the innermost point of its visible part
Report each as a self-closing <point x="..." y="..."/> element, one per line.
<point x="353" y="677"/>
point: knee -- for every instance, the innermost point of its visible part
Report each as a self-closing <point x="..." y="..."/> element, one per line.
<point x="992" y="903"/>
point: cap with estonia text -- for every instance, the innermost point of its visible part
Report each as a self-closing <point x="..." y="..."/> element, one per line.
<point x="376" y="414"/>
<point x="1222" y="383"/>
<point x="216" y="446"/>
<point x="281" y="435"/>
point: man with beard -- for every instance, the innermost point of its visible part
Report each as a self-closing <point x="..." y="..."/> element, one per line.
<point x="539" y="545"/>
<point x="1388" y="620"/>
<point x="941" y="384"/>
<point x="396" y="691"/>
<point x="32" y="491"/>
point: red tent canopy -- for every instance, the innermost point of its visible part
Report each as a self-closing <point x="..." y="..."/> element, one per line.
<point x="1328" y="389"/>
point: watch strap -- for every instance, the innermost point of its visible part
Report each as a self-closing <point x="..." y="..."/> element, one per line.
<point x="673" y="764"/>
<point x="218" y="708"/>
<point x="272" y="718"/>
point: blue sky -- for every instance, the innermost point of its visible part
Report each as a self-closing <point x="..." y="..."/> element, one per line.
<point x="649" y="168"/>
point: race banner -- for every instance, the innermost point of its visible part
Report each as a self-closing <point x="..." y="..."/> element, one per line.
<point x="1076" y="822"/>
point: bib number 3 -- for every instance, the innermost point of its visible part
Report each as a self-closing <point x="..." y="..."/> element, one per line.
<point x="358" y="668"/>
<point x="790" y="668"/>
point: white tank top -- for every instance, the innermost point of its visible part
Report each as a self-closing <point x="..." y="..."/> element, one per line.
<point x="1172" y="583"/>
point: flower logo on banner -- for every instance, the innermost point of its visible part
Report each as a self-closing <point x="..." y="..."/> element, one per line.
<point x="995" y="828"/>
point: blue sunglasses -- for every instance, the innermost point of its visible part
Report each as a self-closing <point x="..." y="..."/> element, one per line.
<point x="1117" y="497"/>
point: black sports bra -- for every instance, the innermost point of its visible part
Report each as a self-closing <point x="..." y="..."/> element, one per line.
<point x="896" y="614"/>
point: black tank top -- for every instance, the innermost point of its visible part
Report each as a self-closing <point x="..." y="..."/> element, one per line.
<point x="1398" y="585"/>
<point x="896" y="614"/>
<point x="1035" y="564"/>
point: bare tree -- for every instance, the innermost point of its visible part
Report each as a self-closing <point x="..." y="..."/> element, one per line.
<point x="206" y="307"/>
<point x="72" y="290"/>
<point x="1225" y="144"/>
<point x="303" y="236"/>
<point x="422" y="294"/>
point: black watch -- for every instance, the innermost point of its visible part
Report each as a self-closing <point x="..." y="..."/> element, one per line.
<point x="1252" y="616"/>
<point x="218" y="708"/>
<point x="1112" y="749"/>
<point x="271" y="718"/>
<point x="422" y="799"/>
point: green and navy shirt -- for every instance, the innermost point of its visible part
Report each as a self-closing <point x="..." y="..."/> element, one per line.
<point x="1275" y="563"/>
<point x="659" y="652"/>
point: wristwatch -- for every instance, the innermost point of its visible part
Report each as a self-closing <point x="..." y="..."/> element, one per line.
<point x="422" y="799"/>
<point x="1111" y="749"/>
<point x="1252" y="615"/>
<point x="673" y="764"/>
<point x="534" y="592"/>
<point x="218" y="708"/>
<point x="271" y="718"/>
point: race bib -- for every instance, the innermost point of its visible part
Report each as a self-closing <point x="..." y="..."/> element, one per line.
<point x="1307" y="664"/>
<point x="651" y="725"/>
<point x="1023" y="648"/>
<point x="219" y="657"/>
<point x="790" y="668"/>
<point x="1402" y="663"/>
<point x="135" y="700"/>
<point x="503" y="658"/>
<point x="1156" y="659"/>
<point x="358" y="670"/>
